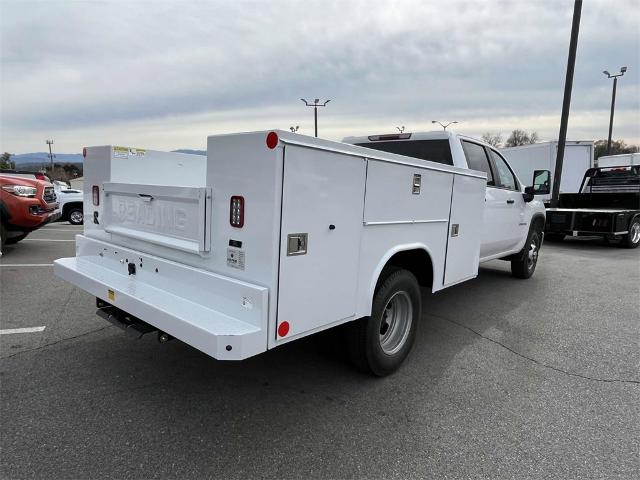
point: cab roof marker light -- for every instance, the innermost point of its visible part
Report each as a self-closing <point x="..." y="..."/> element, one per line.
<point x="393" y="136"/>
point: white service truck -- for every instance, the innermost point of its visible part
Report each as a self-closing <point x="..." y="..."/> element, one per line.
<point x="274" y="236"/>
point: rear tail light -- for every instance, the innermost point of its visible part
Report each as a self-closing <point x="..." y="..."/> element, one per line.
<point x="236" y="212"/>
<point x="96" y="195"/>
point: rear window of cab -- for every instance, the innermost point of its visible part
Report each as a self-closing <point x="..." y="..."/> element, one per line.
<point x="437" y="151"/>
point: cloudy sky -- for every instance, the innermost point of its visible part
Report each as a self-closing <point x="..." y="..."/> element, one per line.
<point x="165" y="74"/>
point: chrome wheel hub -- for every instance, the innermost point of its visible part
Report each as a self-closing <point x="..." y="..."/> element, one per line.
<point x="76" y="217"/>
<point x="396" y="323"/>
<point x="635" y="233"/>
<point x="532" y="257"/>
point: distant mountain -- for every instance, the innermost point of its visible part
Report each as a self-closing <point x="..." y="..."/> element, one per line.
<point x="37" y="159"/>
<point x="191" y="152"/>
<point x="40" y="158"/>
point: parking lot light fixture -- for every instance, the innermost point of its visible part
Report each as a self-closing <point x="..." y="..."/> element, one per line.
<point x="316" y="103"/>
<point x="443" y="125"/>
<point x="613" y="102"/>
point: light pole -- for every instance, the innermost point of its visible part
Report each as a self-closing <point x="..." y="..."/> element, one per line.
<point x="294" y="129"/>
<point x="401" y="129"/>
<point x="442" y="125"/>
<point x="50" y="143"/>
<point x="316" y="103"/>
<point x="613" y="103"/>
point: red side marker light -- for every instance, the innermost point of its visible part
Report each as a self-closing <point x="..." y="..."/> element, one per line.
<point x="272" y="140"/>
<point x="283" y="329"/>
<point x="96" y="195"/>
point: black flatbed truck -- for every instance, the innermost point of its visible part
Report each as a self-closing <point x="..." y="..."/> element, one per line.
<point x="608" y="206"/>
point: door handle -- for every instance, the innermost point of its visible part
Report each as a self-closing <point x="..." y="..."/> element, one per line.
<point x="510" y="201"/>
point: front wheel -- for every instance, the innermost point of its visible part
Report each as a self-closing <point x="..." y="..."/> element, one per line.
<point x="379" y="344"/>
<point x="76" y="216"/>
<point x="632" y="239"/>
<point x="525" y="263"/>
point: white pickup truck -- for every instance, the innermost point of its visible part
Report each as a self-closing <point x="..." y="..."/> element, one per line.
<point x="274" y="236"/>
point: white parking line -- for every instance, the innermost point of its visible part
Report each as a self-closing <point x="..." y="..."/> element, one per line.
<point x="9" y="331"/>
<point x="46" y="240"/>
<point x="62" y="229"/>
<point x="26" y="264"/>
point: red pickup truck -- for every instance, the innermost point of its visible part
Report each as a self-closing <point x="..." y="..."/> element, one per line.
<point x="25" y="205"/>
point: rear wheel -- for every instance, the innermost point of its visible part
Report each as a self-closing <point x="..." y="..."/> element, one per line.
<point x="525" y="263"/>
<point x="632" y="239"/>
<point x="380" y="343"/>
<point x="76" y="216"/>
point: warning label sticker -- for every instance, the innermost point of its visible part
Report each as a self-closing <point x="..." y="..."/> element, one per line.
<point x="120" y="151"/>
<point x="235" y="258"/>
<point x="137" y="152"/>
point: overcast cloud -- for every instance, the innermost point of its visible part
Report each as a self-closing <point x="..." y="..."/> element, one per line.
<point x="167" y="74"/>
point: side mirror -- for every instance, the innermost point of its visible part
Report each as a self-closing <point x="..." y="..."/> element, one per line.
<point x="541" y="182"/>
<point x="541" y="185"/>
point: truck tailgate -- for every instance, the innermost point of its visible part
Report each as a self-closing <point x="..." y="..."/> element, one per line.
<point x="220" y="316"/>
<point x="174" y="217"/>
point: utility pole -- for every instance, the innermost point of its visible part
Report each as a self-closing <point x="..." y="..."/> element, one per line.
<point x="316" y="103"/>
<point x="566" y="103"/>
<point x="444" y="126"/>
<point x="50" y="143"/>
<point x="613" y="102"/>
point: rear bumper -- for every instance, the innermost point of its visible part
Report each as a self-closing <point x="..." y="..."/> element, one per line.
<point x="223" y="317"/>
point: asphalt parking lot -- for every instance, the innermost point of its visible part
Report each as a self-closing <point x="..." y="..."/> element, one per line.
<point x="508" y="379"/>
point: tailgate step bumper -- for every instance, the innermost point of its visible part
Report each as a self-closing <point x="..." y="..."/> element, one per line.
<point x="214" y="319"/>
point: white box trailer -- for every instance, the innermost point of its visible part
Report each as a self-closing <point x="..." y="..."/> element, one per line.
<point x="578" y="157"/>
<point x="622" y="160"/>
<point x="274" y="236"/>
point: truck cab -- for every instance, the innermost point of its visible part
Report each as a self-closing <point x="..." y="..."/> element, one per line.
<point x="509" y="211"/>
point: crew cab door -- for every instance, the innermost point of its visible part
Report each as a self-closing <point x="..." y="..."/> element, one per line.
<point x="504" y="207"/>
<point x="507" y="188"/>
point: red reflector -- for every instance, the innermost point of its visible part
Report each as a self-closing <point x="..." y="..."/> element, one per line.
<point x="283" y="329"/>
<point x="84" y="152"/>
<point x="96" y="195"/>
<point x="236" y="211"/>
<point x="272" y="140"/>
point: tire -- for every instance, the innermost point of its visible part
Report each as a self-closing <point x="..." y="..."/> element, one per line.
<point x="3" y="236"/>
<point x="554" y="237"/>
<point x="76" y="216"/>
<point x="524" y="264"/>
<point x="16" y="239"/>
<point x="380" y="343"/>
<point x="632" y="239"/>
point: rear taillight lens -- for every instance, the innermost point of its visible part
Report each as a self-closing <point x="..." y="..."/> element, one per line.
<point x="96" y="195"/>
<point x="236" y="212"/>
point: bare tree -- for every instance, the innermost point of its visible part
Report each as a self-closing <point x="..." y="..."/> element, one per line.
<point x="520" y="137"/>
<point x="493" y="139"/>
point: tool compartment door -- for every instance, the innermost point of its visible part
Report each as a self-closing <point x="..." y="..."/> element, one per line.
<point x="322" y="208"/>
<point x="465" y="229"/>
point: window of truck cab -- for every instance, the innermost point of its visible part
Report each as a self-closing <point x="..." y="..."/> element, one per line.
<point x="506" y="178"/>
<point x="436" y="150"/>
<point x="477" y="159"/>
